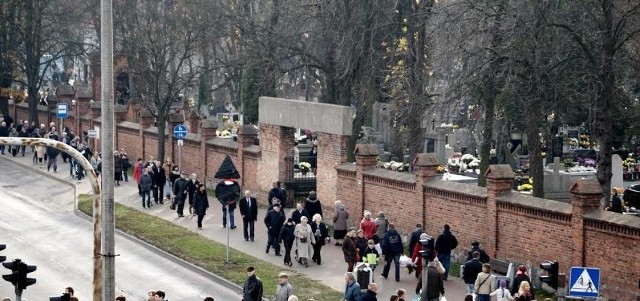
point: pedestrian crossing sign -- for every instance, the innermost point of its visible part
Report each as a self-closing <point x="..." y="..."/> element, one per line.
<point x="584" y="282"/>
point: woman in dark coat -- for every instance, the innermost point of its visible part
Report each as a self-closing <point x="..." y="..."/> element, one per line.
<point x="350" y="250"/>
<point x="192" y="187"/>
<point x="117" y="168"/>
<point x="321" y="233"/>
<point x="287" y="236"/>
<point x="200" y="204"/>
<point x="313" y="158"/>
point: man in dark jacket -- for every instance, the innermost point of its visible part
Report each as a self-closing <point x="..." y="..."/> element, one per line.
<point x="159" y="180"/>
<point x="415" y="238"/>
<point x="145" y="187"/>
<point x="392" y="248"/>
<point x="180" y="191"/>
<point x="444" y="244"/>
<point x="475" y="247"/>
<point x="471" y="270"/>
<point x="297" y="214"/>
<point x="4" y="132"/>
<point x="274" y="220"/>
<point x="249" y="213"/>
<point x="252" y="288"/>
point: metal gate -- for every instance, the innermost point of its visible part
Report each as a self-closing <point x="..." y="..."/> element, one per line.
<point x="299" y="181"/>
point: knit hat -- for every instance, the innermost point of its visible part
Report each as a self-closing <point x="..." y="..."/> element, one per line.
<point x="502" y="283"/>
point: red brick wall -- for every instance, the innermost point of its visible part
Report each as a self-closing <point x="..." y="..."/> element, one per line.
<point x="527" y="231"/>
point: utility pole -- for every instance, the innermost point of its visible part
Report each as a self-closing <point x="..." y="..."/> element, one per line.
<point x="106" y="93"/>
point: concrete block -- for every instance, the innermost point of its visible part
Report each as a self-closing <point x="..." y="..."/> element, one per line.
<point x="318" y="117"/>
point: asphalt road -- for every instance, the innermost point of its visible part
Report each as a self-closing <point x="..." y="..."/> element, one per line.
<point x="39" y="226"/>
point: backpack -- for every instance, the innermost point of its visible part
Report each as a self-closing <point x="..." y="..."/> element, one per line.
<point x="395" y="238"/>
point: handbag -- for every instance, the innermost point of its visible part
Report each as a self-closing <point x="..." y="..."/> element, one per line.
<point x="303" y="239"/>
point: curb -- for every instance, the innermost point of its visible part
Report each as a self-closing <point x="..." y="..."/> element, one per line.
<point x="48" y="175"/>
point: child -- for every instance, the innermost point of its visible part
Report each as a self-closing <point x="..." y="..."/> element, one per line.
<point x="371" y="256"/>
<point x="502" y="293"/>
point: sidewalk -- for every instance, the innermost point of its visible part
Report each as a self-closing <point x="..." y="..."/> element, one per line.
<point x="330" y="272"/>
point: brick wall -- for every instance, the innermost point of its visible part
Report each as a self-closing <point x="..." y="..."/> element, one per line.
<point x="509" y="225"/>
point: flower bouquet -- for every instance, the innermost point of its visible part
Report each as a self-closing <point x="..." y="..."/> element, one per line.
<point x="304" y="167"/>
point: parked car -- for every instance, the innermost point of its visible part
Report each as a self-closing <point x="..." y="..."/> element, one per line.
<point x="632" y="196"/>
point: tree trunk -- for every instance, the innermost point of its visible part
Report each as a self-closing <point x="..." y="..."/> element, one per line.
<point x="162" y="125"/>
<point x="604" y="129"/>
<point x="536" y="167"/>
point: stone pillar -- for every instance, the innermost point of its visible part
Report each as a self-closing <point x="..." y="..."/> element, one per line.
<point x="499" y="181"/>
<point x="247" y="135"/>
<point x="586" y="197"/>
<point x="95" y="111"/>
<point x="208" y="128"/>
<point x="172" y="121"/>
<point x="425" y="168"/>
<point x="366" y="158"/>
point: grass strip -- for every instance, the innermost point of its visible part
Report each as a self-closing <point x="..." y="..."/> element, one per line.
<point x="209" y="254"/>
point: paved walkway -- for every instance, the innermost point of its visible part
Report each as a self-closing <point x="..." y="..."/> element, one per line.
<point x="330" y="272"/>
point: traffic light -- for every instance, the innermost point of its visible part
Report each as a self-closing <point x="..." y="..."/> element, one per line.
<point x="25" y="269"/>
<point x="428" y="251"/>
<point x="2" y="247"/>
<point x="18" y="276"/>
<point x="551" y="279"/>
<point x="13" y="266"/>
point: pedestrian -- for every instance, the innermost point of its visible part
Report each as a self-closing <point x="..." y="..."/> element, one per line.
<point x="352" y="291"/>
<point x="471" y="270"/>
<point x="117" y="167"/>
<point x="304" y="241"/>
<point x="321" y="233"/>
<point x="160" y="295"/>
<point x="126" y="164"/>
<point x="151" y="296"/>
<point x="502" y="293"/>
<point x="371" y="255"/>
<point x="274" y="220"/>
<point x="444" y="244"/>
<point x="382" y="224"/>
<point x="284" y="290"/>
<point x="368" y="226"/>
<point x="416" y="256"/>
<point x="484" y="284"/>
<point x="521" y="276"/>
<point x="435" y="283"/>
<point x="121" y="298"/>
<point x="392" y="248"/>
<point x="138" y="169"/>
<point x="252" y="288"/>
<point x="475" y="247"/>
<point x="4" y="132"/>
<point x="278" y="193"/>
<point x="616" y="202"/>
<point x="159" y="181"/>
<point x="52" y="155"/>
<point x="340" y="216"/>
<point x="293" y="298"/>
<point x="180" y="191"/>
<point x="372" y="291"/>
<point x="361" y="244"/>
<point x="192" y="187"/>
<point x="96" y="163"/>
<point x="200" y="204"/>
<point x="287" y="237"/>
<point x="312" y="204"/>
<point x="249" y="213"/>
<point x="468" y="297"/>
<point x="13" y="149"/>
<point x="208" y="299"/>
<point x="145" y="188"/>
<point x="524" y="292"/>
<point x="393" y="298"/>
<point x="400" y="293"/>
<point x="350" y="250"/>
<point x="172" y="175"/>
<point x="299" y="213"/>
<point x="414" y="238"/>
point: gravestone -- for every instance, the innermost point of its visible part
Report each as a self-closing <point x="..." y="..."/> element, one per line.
<point x="616" y="171"/>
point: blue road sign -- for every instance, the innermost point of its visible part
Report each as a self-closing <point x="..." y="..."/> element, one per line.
<point x="63" y="111"/>
<point x="584" y="282"/>
<point x="180" y="131"/>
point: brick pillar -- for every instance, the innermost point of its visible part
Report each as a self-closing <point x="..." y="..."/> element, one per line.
<point x="193" y="122"/>
<point x="119" y="115"/>
<point x="95" y="111"/>
<point x="208" y="128"/>
<point x="366" y="158"/>
<point x="425" y="168"/>
<point x="499" y="181"/>
<point x="172" y="121"/>
<point x="247" y="135"/>
<point x="586" y="197"/>
<point x="145" y="120"/>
